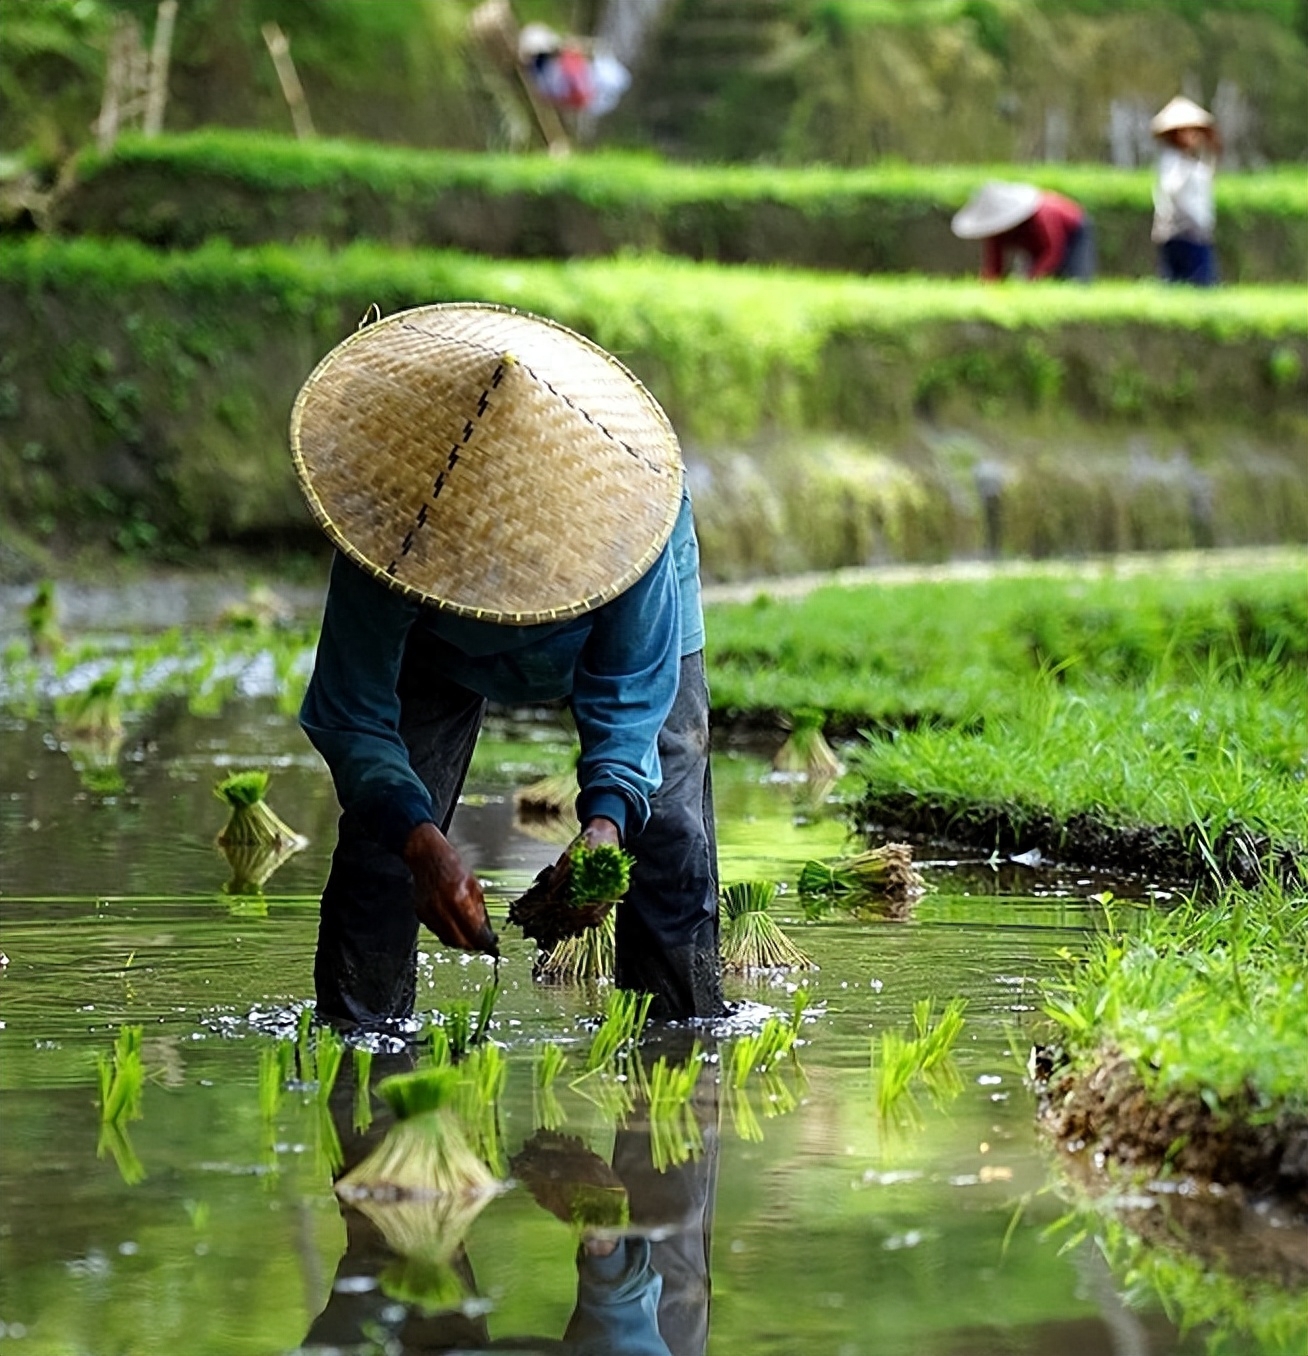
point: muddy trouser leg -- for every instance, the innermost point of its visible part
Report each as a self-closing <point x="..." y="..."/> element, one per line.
<point x="365" y="969"/>
<point x="667" y="927"/>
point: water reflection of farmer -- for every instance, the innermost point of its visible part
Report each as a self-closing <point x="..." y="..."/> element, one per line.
<point x="642" y="1290"/>
<point x="1184" y="211"/>
<point x="511" y="525"/>
<point x="1053" y="234"/>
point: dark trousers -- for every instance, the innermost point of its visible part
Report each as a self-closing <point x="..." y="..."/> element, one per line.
<point x="1080" y="262"/>
<point x="1188" y="261"/>
<point x="365" y="969"/>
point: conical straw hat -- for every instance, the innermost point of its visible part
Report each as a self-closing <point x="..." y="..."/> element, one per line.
<point x="1177" y="113"/>
<point x="488" y="462"/>
<point x="994" y="208"/>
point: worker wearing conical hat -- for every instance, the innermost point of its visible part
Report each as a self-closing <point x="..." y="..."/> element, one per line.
<point x="511" y="525"/>
<point x="1052" y="234"/>
<point x="1185" y="214"/>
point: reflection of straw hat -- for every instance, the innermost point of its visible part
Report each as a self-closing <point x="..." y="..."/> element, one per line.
<point x="489" y="462"/>
<point x="994" y="208"/>
<point x="1178" y="113"/>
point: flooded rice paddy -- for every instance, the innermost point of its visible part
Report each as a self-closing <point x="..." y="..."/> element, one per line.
<point x="809" y="1223"/>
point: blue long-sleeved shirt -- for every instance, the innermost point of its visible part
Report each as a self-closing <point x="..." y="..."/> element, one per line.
<point x="618" y="666"/>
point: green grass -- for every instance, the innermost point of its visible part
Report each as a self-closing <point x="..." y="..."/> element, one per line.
<point x="1207" y="999"/>
<point x="731" y="351"/>
<point x="617" y="179"/>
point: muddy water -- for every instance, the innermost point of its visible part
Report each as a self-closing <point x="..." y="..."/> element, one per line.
<point x="216" y="1230"/>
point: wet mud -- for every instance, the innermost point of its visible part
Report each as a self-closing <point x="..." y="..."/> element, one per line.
<point x="1157" y="851"/>
<point x="1106" y="1115"/>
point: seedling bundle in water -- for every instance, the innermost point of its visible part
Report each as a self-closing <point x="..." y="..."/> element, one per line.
<point x="886" y="872"/>
<point x="254" y="840"/>
<point x="806" y="752"/>
<point x="425" y="1153"/>
<point x="751" y="938"/>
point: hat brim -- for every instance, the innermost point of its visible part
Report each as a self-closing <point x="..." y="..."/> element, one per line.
<point x="487" y="462"/>
<point x="986" y="215"/>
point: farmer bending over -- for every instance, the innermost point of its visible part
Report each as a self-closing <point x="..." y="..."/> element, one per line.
<point x="511" y="524"/>
<point x="1053" y="235"/>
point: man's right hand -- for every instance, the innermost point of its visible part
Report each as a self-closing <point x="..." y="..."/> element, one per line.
<point x="446" y="895"/>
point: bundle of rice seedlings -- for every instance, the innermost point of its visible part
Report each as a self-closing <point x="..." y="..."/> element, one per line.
<point x="573" y="1183"/>
<point x="253" y="866"/>
<point x="806" y="752"/>
<point x="90" y="730"/>
<point x="252" y="822"/>
<point x="551" y="797"/>
<point x="425" y="1153"/>
<point x="751" y="938"/>
<point x="886" y="871"/>
<point x="561" y="904"/>
<point x="590" y="955"/>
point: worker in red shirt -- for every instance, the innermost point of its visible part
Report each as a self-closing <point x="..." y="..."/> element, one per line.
<point x="1054" y="234"/>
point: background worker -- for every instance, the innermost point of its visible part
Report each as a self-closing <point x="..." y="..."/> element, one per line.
<point x="1185" y="214"/>
<point x="1053" y="233"/>
<point x="512" y="525"/>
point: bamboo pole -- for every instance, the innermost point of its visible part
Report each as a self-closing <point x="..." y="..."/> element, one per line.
<point x="279" y="48"/>
<point x="157" y="93"/>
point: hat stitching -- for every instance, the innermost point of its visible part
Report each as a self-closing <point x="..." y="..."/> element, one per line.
<point x="451" y="461"/>
<point x="632" y="452"/>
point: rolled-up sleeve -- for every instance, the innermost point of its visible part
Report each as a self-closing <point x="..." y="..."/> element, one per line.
<point x="624" y="686"/>
<point x="351" y="711"/>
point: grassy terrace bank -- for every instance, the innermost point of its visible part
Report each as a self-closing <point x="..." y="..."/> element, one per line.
<point x="1183" y="1037"/>
<point x="1150" y="722"/>
<point x="827" y="420"/>
<point x="180" y="190"/>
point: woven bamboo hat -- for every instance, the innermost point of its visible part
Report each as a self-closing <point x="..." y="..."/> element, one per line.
<point x="1178" y="113"/>
<point x="994" y="208"/>
<point x="488" y="462"/>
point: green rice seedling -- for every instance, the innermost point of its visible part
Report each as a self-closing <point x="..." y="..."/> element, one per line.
<point x="547" y="1110"/>
<point x="251" y="821"/>
<point x="887" y="871"/>
<point x="744" y="1121"/>
<point x="751" y="938"/>
<point x="586" y="956"/>
<point x="122" y="1078"/>
<point x="116" y="1143"/>
<point x="935" y="1043"/>
<point x="304" y="1049"/>
<point x="462" y="1029"/>
<point x="426" y="1152"/>
<point x="894" y="1074"/>
<point x="619" y="1033"/>
<point x="329" y="1052"/>
<point x="482" y="1075"/>
<point x="270" y="1083"/>
<point x="362" y="1088"/>
<point x="806" y="751"/>
<point x="674" y="1133"/>
<point x="599" y="875"/>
